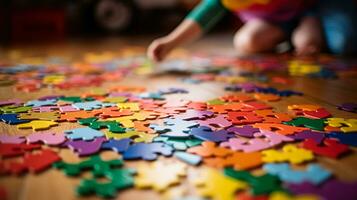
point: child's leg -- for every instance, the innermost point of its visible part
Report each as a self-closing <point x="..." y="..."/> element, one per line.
<point x="339" y="21"/>
<point x="307" y="37"/>
<point x="257" y="36"/>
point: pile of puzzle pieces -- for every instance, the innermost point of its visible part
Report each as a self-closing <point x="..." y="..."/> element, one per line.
<point x="226" y="139"/>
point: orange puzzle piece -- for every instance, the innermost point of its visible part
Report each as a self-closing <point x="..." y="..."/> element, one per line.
<point x="241" y="118"/>
<point x="238" y="160"/>
<point x="266" y="97"/>
<point x="209" y="149"/>
<point x="272" y="117"/>
<point x="280" y="128"/>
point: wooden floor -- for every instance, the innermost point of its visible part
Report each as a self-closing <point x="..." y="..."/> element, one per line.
<point x="53" y="185"/>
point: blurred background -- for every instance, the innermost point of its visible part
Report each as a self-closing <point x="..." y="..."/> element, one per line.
<point x="23" y="21"/>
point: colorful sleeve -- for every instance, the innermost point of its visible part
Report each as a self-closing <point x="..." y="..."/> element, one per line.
<point x="207" y="13"/>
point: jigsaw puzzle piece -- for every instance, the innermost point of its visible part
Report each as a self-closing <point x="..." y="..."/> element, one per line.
<point x="237" y="98"/>
<point x="243" y="118"/>
<point x="118" y="146"/>
<point x="251" y="145"/>
<point x="330" y="147"/>
<point x="244" y="131"/>
<point x="314" y="135"/>
<point x="216" y="122"/>
<point x="332" y="189"/>
<point x="349" y="107"/>
<point x="12" y="139"/>
<point x="85" y="133"/>
<point x="269" y="116"/>
<point x="279" y="128"/>
<point x="348" y="139"/>
<point x="39" y="103"/>
<point x="264" y="184"/>
<point x="209" y="149"/>
<point x="238" y="160"/>
<point x="15" y="109"/>
<point x="175" y="128"/>
<point x="85" y="148"/>
<point x="48" y="138"/>
<point x="211" y="183"/>
<point x="34" y="162"/>
<point x="135" y="135"/>
<point x="188" y="158"/>
<point x="11" y="150"/>
<point x="119" y="179"/>
<point x="48" y="116"/>
<point x="95" y="163"/>
<point x="159" y="175"/>
<point x="195" y="115"/>
<point x="266" y="97"/>
<point x="178" y="143"/>
<point x="12" y="119"/>
<point x="346" y="125"/>
<point x="37" y="125"/>
<point x="147" y="151"/>
<point x="312" y="174"/>
<point x="93" y="122"/>
<point x="315" y="124"/>
<point x="91" y="105"/>
<point x="205" y="133"/>
<point x="129" y="106"/>
<point x="317" y="114"/>
<point x="75" y="115"/>
<point x="289" y="153"/>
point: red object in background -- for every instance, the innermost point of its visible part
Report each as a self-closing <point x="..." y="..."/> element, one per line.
<point x="37" y="24"/>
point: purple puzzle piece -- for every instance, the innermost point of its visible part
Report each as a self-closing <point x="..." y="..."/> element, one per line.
<point x="195" y="114"/>
<point x="216" y="122"/>
<point x="85" y="148"/>
<point x="172" y="91"/>
<point x="48" y="138"/>
<point x="118" y="146"/>
<point x="330" y="190"/>
<point x="12" y="139"/>
<point x="147" y="151"/>
<point x="206" y="133"/>
<point x="10" y="102"/>
<point x="349" y="107"/>
<point x="309" y="134"/>
<point x="245" y="131"/>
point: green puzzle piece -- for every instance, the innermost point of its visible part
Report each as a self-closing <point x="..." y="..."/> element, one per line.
<point x="75" y="99"/>
<point x="98" y="166"/>
<point x="315" y="124"/>
<point x="119" y="179"/>
<point x="215" y="102"/>
<point x="264" y="184"/>
<point x="179" y="143"/>
<point x="15" y="109"/>
<point x="92" y="122"/>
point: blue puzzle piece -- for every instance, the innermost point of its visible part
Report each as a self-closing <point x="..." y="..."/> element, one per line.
<point x="345" y="138"/>
<point x="282" y="93"/>
<point x="85" y="133"/>
<point x="191" y="159"/>
<point x="39" y="103"/>
<point x="313" y="174"/>
<point x="90" y="105"/>
<point x="118" y="146"/>
<point x="12" y="119"/>
<point x="172" y="91"/>
<point x="147" y="151"/>
<point x="177" y="128"/>
<point x="206" y="133"/>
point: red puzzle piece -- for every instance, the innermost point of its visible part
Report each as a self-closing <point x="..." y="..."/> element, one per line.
<point x="11" y="150"/>
<point x="331" y="148"/>
<point x="317" y="114"/>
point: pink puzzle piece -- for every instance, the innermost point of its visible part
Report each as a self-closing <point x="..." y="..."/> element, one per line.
<point x="251" y="145"/>
<point x="48" y="138"/>
<point x="216" y="122"/>
<point x="45" y="108"/>
<point x="12" y="139"/>
<point x="10" y="102"/>
<point x="274" y="138"/>
<point x="67" y="108"/>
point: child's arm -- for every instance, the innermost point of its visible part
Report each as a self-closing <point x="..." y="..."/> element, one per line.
<point x="203" y="17"/>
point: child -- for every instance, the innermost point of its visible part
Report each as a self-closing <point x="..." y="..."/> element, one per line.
<point x="267" y="23"/>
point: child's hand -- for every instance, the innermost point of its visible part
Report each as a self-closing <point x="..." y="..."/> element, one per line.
<point x="159" y="49"/>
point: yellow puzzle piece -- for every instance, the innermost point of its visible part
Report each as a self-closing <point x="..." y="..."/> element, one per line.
<point x="129" y="106"/>
<point x="135" y="135"/>
<point x="213" y="184"/>
<point x="289" y="153"/>
<point x="284" y="196"/>
<point x="347" y="125"/>
<point x="37" y="125"/>
<point x="128" y="121"/>
<point x="159" y="175"/>
<point x="50" y="116"/>
<point x="304" y="107"/>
